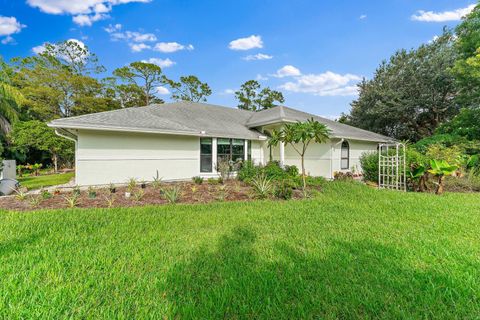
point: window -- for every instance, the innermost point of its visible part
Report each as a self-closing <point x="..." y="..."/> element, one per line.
<point x="230" y="149"/>
<point x="205" y="154"/>
<point x="345" y="155"/>
<point x="249" y="150"/>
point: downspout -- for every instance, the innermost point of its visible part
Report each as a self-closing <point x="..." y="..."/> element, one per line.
<point x="331" y="156"/>
<point x="75" y="140"/>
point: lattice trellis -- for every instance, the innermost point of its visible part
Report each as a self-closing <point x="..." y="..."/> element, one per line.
<point x="392" y="166"/>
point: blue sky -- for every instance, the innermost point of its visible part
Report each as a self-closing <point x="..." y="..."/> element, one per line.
<point x="313" y="51"/>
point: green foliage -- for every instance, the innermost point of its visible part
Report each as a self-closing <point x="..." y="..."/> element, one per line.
<point x="465" y="124"/>
<point x="214" y="181"/>
<point x="272" y="170"/>
<point x="369" y="164"/>
<point x="131" y="184"/>
<point x="138" y="194"/>
<point x="251" y="97"/>
<point x="451" y="154"/>
<point x="45" y="194"/>
<point x="172" y="194"/>
<point x="411" y="94"/>
<point x="142" y="74"/>
<point x="72" y="201"/>
<point x="197" y="180"/>
<point x="440" y="169"/>
<point x="467" y="67"/>
<point x="262" y="186"/>
<point x="189" y="88"/>
<point x="299" y="136"/>
<point x="92" y="193"/>
<point x="284" y="189"/>
<point x="157" y="181"/>
<point x="36" y="135"/>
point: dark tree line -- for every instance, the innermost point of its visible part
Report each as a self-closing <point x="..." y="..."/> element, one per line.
<point x="427" y="90"/>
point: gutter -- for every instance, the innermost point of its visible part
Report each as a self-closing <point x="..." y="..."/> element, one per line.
<point x="141" y="130"/>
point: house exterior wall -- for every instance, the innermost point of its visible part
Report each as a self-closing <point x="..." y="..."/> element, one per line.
<point x="104" y="157"/>
<point x="324" y="159"/>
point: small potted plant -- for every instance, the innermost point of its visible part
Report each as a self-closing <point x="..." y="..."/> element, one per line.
<point x="143" y="184"/>
<point x="112" y="188"/>
<point x="92" y="194"/>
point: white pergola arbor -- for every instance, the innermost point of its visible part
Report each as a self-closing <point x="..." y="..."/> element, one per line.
<point x="392" y="172"/>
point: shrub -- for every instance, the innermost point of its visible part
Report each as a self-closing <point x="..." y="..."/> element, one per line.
<point x="172" y="195"/>
<point x="224" y="167"/>
<point x="45" y="194"/>
<point x="248" y="171"/>
<point x="35" y="201"/>
<point x="112" y="188"/>
<point x="92" y="194"/>
<point x="284" y="189"/>
<point x="369" y="164"/>
<point x="272" y="170"/>
<point x="468" y="183"/>
<point x="262" y="186"/>
<point x="213" y="181"/>
<point x="72" y="201"/>
<point x="20" y="194"/>
<point x="110" y="200"/>
<point x="138" y="194"/>
<point x="76" y="190"/>
<point x="197" y="180"/>
<point x="343" y="176"/>
<point x="131" y="184"/>
<point x="157" y="181"/>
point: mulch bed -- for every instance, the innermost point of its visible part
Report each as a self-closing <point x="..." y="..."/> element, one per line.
<point x="190" y="193"/>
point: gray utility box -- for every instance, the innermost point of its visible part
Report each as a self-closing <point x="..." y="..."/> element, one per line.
<point x="9" y="170"/>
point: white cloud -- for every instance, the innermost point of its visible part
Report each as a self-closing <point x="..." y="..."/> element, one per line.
<point x="229" y="91"/>
<point x="7" y="40"/>
<point x="162" y="90"/>
<point x="84" y="12"/>
<point x="246" y="43"/>
<point x="258" y="56"/>
<point x="113" y="28"/>
<point x="9" y="26"/>
<point x="164" y="63"/>
<point x="287" y="71"/>
<point x="324" y="84"/>
<point x="138" y="47"/>
<point x="363" y="17"/>
<point x="259" y="77"/>
<point x="431" y="16"/>
<point x="88" y="20"/>
<point x="169" y="47"/>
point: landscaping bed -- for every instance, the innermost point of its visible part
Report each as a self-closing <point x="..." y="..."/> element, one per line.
<point x="188" y="192"/>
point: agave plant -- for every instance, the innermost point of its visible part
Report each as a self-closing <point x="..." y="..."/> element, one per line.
<point x="440" y="169"/>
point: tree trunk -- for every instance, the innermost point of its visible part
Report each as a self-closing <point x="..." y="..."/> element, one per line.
<point x="440" y="185"/>
<point x="303" y="174"/>
<point x="55" y="162"/>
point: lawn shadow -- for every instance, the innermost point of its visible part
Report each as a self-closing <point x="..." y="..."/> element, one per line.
<point x="359" y="279"/>
<point x="19" y="244"/>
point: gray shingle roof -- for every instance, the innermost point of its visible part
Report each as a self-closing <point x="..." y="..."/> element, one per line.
<point x="338" y="130"/>
<point x="191" y="118"/>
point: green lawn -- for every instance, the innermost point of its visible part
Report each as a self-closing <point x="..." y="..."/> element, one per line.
<point x="352" y="252"/>
<point x="36" y="182"/>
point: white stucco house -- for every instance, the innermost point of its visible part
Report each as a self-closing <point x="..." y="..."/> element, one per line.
<point x="185" y="139"/>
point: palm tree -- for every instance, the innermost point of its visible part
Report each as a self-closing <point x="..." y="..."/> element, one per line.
<point x="299" y="135"/>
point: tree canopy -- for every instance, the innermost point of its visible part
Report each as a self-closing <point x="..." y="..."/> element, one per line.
<point x="189" y="88"/>
<point x="252" y="97"/>
<point x="411" y="94"/>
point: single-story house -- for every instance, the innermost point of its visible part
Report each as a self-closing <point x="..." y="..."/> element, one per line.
<point x="181" y="140"/>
